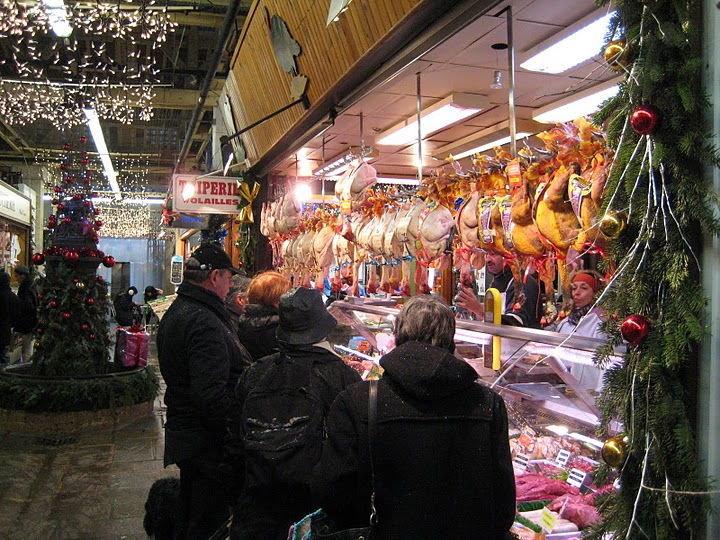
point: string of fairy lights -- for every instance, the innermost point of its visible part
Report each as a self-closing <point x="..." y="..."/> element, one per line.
<point x="131" y="217"/>
<point x="54" y="79"/>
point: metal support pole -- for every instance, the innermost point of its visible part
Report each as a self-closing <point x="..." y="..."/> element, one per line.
<point x="419" y="124"/>
<point x="511" y="78"/>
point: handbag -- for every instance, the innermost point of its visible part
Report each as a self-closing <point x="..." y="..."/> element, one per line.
<point x="322" y="526"/>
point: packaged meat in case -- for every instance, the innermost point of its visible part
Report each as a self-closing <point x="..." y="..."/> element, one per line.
<point x="131" y="347"/>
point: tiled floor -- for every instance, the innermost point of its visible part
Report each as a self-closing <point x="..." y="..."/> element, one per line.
<point x="89" y="486"/>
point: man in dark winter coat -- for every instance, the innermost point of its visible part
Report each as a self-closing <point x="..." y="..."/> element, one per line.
<point x="442" y="459"/>
<point x="201" y="360"/>
<point x="9" y="308"/>
<point x="523" y="311"/>
<point x="276" y="495"/>
<point x="27" y="318"/>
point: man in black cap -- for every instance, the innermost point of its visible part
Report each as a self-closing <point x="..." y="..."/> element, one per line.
<point x="27" y="319"/>
<point x="284" y="399"/>
<point x="201" y="360"/>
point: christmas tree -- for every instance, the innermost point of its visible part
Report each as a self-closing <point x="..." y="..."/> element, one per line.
<point x="72" y="327"/>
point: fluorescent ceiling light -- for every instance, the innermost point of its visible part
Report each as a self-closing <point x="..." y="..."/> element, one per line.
<point x="581" y="104"/>
<point x="445" y="112"/>
<point x="487" y="139"/>
<point x="398" y="181"/>
<point x="57" y="17"/>
<point x="340" y="163"/>
<point x="570" y="47"/>
<point x="99" y="139"/>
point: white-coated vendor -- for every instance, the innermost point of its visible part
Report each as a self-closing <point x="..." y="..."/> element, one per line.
<point x="585" y="320"/>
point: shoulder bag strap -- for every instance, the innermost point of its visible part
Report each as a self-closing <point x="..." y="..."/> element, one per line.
<point x="372" y="439"/>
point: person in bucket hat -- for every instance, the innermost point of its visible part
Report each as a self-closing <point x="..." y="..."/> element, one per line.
<point x="275" y="493"/>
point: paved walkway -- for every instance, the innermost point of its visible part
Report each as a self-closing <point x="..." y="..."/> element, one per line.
<point x="91" y="486"/>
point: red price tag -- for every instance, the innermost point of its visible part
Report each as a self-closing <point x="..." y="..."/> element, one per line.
<point x="514" y="174"/>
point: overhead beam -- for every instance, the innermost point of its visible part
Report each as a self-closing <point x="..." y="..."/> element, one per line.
<point x="10" y="136"/>
<point x="172" y="98"/>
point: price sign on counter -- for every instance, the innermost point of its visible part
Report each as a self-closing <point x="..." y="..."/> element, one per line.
<point x="547" y="520"/>
<point x="576" y="478"/>
<point x="520" y="463"/>
<point x="562" y="458"/>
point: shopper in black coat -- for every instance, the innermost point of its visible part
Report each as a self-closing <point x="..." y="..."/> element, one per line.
<point x="9" y="308"/>
<point x="260" y="317"/>
<point x="125" y="307"/>
<point x="266" y="507"/>
<point x="201" y="360"/>
<point x="442" y="459"/>
<point x="27" y="314"/>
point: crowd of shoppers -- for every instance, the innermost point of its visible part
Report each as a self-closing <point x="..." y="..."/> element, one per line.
<point x="266" y="421"/>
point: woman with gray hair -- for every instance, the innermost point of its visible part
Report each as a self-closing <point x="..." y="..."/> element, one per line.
<point x="441" y="455"/>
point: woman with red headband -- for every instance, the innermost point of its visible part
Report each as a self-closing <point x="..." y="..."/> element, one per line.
<point x="585" y="320"/>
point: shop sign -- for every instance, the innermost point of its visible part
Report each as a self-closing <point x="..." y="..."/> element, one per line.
<point x="14" y="205"/>
<point x="213" y="194"/>
<point x="190" y="221"/>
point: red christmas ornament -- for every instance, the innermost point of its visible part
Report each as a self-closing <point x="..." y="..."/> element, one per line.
<point x="62" y="167"/>
<point x="83" y="140"/>
<point x="55" y="201"/>
<point x="37" y="345"/>
<point x="98" y="223"/>
<point x="643" y="119"/>
<point x="39" y="296"/>
<point x="61" y="207"/>
<point x="108" y="261"/>
<point x="92" y="336"/>
<point x="96" y="238"/>
<point x="91" y="301"/>
<point x="72" y="257"/>
<point x="96" y="211"/>
<point x="101" y="279"/>
<point x="53" y="304"/>
<point x="57" y="189"/>
<point x="67" y="220"/>
<point x="77" y="197"/>
<point x="66" y="146"/>
<point x="39" y="330"/>
<point x="87" y="204"/>
<point x="88" y="174"/>
<point x="66" y="316"/>
<point x="85" y="161"/>
<point x="635" y="328"/>
<point x="38" y="258"/>
<point x="84" y="327"/>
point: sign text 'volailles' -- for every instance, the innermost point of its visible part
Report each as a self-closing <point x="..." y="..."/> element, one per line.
<point x="212" y="194"/>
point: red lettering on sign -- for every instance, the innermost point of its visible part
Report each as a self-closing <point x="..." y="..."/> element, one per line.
<point x="223" y="189"/>
<point x="214" y="188"/>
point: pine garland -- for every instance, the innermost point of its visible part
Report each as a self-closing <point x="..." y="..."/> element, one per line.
<point x="658" y="180"/>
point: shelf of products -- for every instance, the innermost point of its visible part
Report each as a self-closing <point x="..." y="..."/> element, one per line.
<point x="552" y="414"/>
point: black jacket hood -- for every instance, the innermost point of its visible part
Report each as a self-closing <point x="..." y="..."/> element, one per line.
<point x="427" y="372"/>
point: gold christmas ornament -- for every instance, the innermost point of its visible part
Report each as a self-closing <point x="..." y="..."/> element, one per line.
<point x="614" y="451"/>
<point x="613" y="224"/>
<point x="617" y="54"/>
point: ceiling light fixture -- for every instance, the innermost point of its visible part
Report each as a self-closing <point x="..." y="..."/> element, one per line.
<point x="486" y="139"/>
<point x="497" y="80"/>
<point x="570" y="47"/>
<point x="97" y="135"/>
<point x="577" y="105"/>
<point x="58" y="17"/>
<point x="445" y="112"/>
<point x="338" y="164"/>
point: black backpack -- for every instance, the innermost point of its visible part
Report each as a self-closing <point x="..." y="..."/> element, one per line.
<point x="283" y="420"/>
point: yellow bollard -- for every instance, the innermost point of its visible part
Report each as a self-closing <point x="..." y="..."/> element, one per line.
<point x="493" y="314"/>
